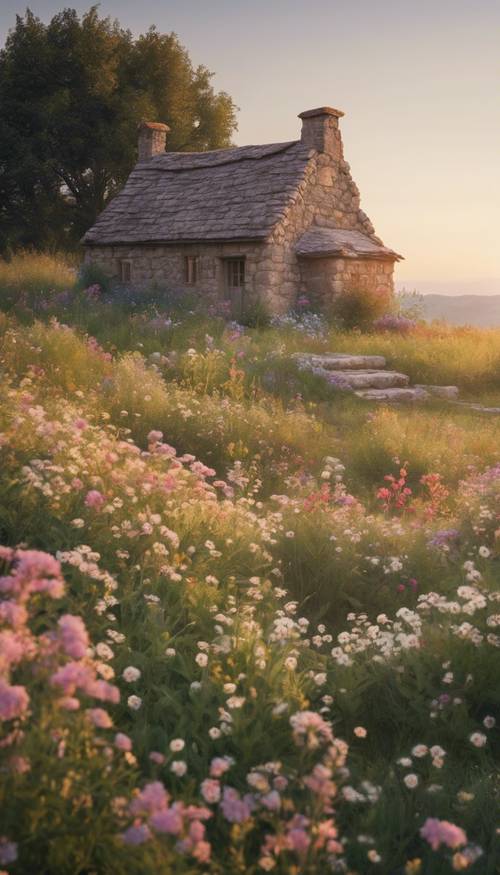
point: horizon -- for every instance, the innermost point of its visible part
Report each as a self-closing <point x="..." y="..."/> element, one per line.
<point x="398" y="75"/>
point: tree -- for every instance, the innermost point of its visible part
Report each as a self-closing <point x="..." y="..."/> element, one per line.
<point x="71" y="96"/>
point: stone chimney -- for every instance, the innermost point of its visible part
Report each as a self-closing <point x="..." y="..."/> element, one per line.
<point x="152" y="139"/>
<point x="320" y="130"/>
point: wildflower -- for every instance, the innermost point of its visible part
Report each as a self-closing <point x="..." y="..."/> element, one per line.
<point x="360" y="732"/>
<point x="157" y="757"/>
<point x="94" y="499"/>
<point x="177" y="744"/>
<point x="170" y="652"/>
<point x="291" y="663"/>
<point x="420" y="750"/>
<point x="484" y="552"/>
<point x="437" y="832"/>
<point x="134" y="702"/>
<point x="411" y="780"/>
<point x="123" y="742"/>
<point x="489" y="722"/>
<point x="179" y="768"/>
<point x="100" y="718"/>
<point x="201" y="659"/>
<point x="234" y="808"/>
<point x="73" y="635"/>
<point x="136" y="835"/>
<point x="210" y="790"/>
<point x="131" y="674"/>
<point x="478" y="739"/>
<point x="14" y="701"/>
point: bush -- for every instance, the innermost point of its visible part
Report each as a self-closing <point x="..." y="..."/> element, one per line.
<point x="357" y="308"/>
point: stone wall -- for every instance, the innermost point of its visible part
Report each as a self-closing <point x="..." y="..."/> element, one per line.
<point x="164" y="265"/>
<point x="325" y="278"/>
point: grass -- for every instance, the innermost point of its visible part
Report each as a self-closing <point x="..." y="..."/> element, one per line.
<point x="222" y="532"/>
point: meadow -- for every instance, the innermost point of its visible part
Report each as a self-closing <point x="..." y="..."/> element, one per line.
<point x="248" y="623"/>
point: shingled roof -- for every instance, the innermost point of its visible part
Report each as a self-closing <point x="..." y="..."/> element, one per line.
<point x="227" y="194"/>
<point x="322" y="242"/>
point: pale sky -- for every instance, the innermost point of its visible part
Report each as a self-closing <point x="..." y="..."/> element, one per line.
<point x="417" y="79"/>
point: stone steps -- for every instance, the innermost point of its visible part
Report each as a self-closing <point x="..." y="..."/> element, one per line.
<point x="406" y="393"/>
<point x="340" y="361"/>
<point x="367" y="377"/>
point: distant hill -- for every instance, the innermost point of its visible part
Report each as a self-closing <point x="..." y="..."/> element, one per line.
<point x="482" y="311"/>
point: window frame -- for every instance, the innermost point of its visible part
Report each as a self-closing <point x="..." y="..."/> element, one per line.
<point x="125" y="270"/>
<point x="191" y="270"/>
<point x="235" y="267"/>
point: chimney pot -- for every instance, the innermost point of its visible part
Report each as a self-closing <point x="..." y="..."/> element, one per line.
<point x="320" y="130"/>
<point x="152" y="139"/>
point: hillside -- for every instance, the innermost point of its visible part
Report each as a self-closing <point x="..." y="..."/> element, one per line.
<point x="482" y="311"/>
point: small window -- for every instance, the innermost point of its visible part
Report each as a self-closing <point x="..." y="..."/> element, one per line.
<point x="124" y="271"/>
<point x="191" y="271"/>
<point x="235" y="273"/>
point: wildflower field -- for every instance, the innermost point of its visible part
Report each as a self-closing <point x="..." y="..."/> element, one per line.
<point x="247" y="623"/>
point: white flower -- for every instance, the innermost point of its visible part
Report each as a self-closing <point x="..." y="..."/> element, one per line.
<point x="478" y="739"/>
<point x="104" y="651"/>
<point x="420" y="750"/>
<point x="170" y="651"/>
<point x="214" y="732"/>
<point x="320" y="678"/>
<point x="134" y="702"/>
<point x="489" y="722"/>
<point x="179" y="768"/>
<point x="177" y="744"/>
<point x="235" y="702"/>
<point x="291" y="663"/>
<point x="202" y="659"/>
<point x="229" y="688"/>
<point x="406" y="762"/>
<point x="411" y="780"/>
<point x="360" y="732"/>
<point x="131" y="674"/>
<point x="484" y="552"/>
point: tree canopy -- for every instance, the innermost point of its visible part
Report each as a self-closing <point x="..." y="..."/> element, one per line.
<point x="72" y="93"/>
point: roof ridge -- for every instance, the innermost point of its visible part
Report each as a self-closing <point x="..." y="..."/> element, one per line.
<point x="232" y="157"/>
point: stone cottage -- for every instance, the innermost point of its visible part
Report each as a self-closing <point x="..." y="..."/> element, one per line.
<point x="268" y="222"/>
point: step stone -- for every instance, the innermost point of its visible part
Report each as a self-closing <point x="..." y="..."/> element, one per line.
<point x="393" y="394"/>
<point x="370" y="379"/>
<point x="450" y="393"/>
<point x="339" y="361"/>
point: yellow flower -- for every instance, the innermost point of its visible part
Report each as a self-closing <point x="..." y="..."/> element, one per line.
<point x="413" y="866"/>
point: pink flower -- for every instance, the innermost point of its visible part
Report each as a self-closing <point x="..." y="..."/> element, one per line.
<point x="156" y="757"/>
<point x="69" y="703"/>
<point x="73" y="676"/>
<point x="14" y="701"/>
<point x="136" y="835"/>
<point x="210" y="790"/>
<point x="154" y="437"/>
<point x="100" y="718"/>
<point x="12" y="649"/>
<point x="436" y="831"/>
<point x="299" y="840"/>
<point x="219" y="766"/>
<point x="13" y="614"/>
<point x="94" y="499"/>
<point x="151" y="799"/>
<point x="168" y="821"/>
<point x="235" y="809"/>
<point x="73" y="634"/>
<point x="202" y="851"/>
<point x="123" y="742"/>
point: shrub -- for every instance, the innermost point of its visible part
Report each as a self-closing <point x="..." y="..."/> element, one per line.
<point x="358" y="308"/>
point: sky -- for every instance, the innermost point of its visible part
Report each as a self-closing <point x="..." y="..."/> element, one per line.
<point x="418" y="81"/>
